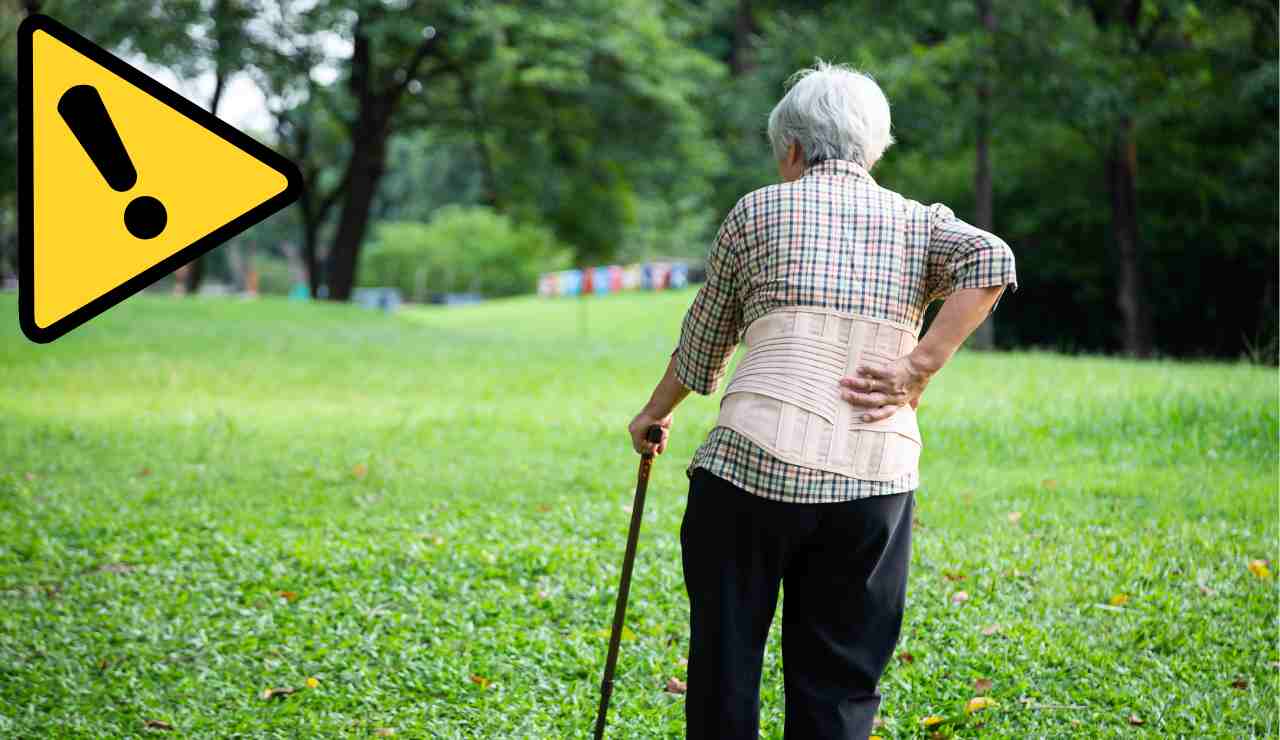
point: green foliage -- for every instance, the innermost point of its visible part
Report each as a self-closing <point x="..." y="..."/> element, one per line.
<point x="1200" y="81"/>
<point x="592" y="119"/>
<point x="619" y="125"/>
<point x="462" y="248"/>
<point x="441" y="494"/>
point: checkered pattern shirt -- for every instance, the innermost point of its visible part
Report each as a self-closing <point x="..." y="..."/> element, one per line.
<point x="834" y="239"/>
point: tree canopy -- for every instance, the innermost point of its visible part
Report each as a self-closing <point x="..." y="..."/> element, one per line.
<point x="1126" y="149"/>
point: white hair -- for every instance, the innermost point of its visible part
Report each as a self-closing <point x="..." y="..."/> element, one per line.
<point x="833" y="112"/>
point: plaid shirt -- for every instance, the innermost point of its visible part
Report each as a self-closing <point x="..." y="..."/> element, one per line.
<point x="834" y="239"/>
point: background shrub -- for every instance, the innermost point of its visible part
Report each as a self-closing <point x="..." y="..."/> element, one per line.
<point x="462" y="248"/>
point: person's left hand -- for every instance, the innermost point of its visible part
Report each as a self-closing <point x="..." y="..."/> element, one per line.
<point x="639" y="427"/>
<point x="884" y="390"/>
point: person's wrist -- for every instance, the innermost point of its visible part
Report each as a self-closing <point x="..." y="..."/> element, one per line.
<point x="655" y="411"/>
<point x="926" y="361"/>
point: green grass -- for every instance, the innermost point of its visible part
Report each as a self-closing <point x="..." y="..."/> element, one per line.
<point x="443" y="494"/>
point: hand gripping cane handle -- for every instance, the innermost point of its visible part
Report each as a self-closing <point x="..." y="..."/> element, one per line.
<point x="654" y="435"/>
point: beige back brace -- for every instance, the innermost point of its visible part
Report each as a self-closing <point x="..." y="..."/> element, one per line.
<point x="785" y="395"/>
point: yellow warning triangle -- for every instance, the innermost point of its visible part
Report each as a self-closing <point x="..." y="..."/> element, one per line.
<point x="91" y="232"/>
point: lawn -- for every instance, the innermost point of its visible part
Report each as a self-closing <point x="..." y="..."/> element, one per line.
<point x="417" y="521"/>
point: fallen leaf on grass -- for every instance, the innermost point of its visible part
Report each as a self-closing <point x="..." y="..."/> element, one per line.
<point x="1118" y="600"/>
<point x="627" y="634"/>
<point x="676" y="686"/>
<point x="1049" y="483"/>
<point x="289" y="596"/>
<point x="1015" y="517"/>
<point x="1259" y="569"/>
<point x="544" y="508"/>
<point x="959" y="597"/>
<point x="1136" y="720"/>
<point x="278" y="692"/>
<point x="982" y="685"/>
<point x="1240" y="683"/>
<point x="385" y="731"/>
<point x="953" y="575"/>
<point x="312" y="682"/>
<point x="360" y="470"/>
<point x="157" y="724"/>
<point x="991" y="629"/>
<point x="116" y="568"/>
<point x="978" y="703"/>
<point x="932" y="720"/>
<point x="479" y="680"/>
<point x="906" y="657"/>
<point x="144" y="472"/>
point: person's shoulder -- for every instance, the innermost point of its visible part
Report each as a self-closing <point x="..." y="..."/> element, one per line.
<point x="929" y="212"/>
<point x="901" y="201"/>
<point x="744" y="214"/>
<point x="757" y="199"/>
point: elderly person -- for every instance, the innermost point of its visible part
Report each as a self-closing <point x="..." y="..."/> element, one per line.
<point x="808" y="477"/>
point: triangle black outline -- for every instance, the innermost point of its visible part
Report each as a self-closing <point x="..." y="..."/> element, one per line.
<point x="26" y="241"/>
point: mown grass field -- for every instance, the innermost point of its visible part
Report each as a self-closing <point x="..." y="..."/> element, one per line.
<point x="425" y="513"/>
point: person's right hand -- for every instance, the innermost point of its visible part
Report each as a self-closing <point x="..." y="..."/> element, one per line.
<point x="639" y="429"/>
<point x="881" y="391"/>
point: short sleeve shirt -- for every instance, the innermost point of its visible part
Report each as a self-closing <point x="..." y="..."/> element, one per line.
<point x="833" y="239"/>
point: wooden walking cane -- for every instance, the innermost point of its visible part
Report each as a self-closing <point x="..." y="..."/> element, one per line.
<point x="654" y="435"/>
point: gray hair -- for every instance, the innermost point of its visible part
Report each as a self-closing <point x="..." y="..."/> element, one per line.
<point x="833" y="112"/>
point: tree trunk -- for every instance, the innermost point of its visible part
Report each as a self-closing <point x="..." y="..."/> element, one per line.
<point x="1122" y="168"/>
<point x="310" y="242"/>
<point x="193" y="275"/>
<point x="984" y="337"/>
<point x="740" y="56"/>
<point x="376" y="101"/>
<point x="376" y="104"/>
<point x="1122" y="175"/>
<point x="367" y="163"/>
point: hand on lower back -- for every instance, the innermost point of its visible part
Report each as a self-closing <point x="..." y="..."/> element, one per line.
<point x="878" y="391"/>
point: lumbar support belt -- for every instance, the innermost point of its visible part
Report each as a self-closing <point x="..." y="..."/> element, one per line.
<point x="785" y="394"/>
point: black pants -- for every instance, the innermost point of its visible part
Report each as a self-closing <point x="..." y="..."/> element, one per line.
<point x="845" y="569"/>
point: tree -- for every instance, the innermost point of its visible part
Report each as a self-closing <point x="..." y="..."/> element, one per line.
<point x="377" y="81"/>
<point x="1132" y="35"/>
<point x="578" y="113"/>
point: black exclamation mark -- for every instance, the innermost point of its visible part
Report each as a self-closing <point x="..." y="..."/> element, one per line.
<point x="81" y="107"/>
